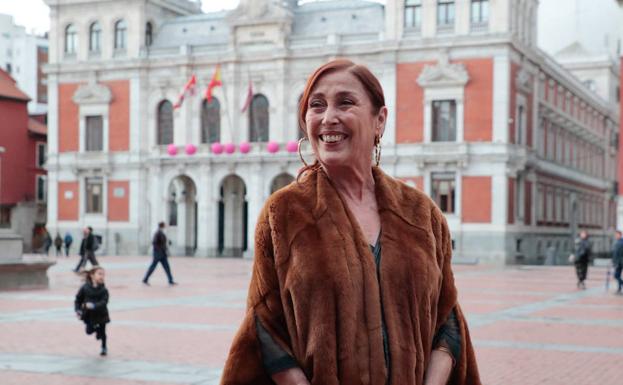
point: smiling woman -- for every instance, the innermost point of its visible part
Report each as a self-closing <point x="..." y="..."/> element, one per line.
<point x="352" y="282"/>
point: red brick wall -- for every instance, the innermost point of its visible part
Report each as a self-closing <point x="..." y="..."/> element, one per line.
<point x="478" y="108"/>
<point x="119" y="116"/>
<point x="476" y="199"/>
<point x="409" y="103"/>
<point x="68" y="129"/>
<point x="478" y="125"/>
<point x="17" y="163"/>
<point x="68" y="209"/>
<point x="119" y="207"/>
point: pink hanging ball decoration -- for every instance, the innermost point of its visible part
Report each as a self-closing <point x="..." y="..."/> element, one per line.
<point x="217" y="148"/>
<point x="171" y="150"/>
<point x="191" y="149"/>
<point x="245" y="147"/>
<point x="292" y="146"/>
<point x="272" y="147"/>
<point x="230" y="148"/>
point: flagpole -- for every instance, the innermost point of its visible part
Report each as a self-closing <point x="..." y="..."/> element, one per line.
<point x="231" y="126"/>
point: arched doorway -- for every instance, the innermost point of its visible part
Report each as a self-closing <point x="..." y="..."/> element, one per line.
<point x="182" y="215"/>
<point x="280" y="181"/>
<point x="233" y="217"/>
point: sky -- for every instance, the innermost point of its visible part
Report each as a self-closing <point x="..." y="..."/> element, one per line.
<point x="34" y="14"/>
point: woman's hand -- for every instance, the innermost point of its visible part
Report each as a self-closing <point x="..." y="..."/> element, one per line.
<point x="293" y="376"/>
<point x="439" y="368"/>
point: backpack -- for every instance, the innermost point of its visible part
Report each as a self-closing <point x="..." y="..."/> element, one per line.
<point x="97" y="241"/>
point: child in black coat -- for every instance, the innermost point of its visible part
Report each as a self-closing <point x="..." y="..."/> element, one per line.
<point x="91" y="305"/>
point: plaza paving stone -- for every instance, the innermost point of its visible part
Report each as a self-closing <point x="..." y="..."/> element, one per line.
<point x="529" y="325"/>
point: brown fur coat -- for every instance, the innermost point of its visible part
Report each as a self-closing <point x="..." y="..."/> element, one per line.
<point x="315" y="289"/>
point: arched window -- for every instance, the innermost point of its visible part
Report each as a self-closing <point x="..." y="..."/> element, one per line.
<point x="149" y="34"/>
<point x="258" y="119"/>
<point x="120" y="34"/>
<point x="95" y="33"/>
<point x="211" y="121"/>
<point x="165" y="122"/>
<point x="71" y="39"/>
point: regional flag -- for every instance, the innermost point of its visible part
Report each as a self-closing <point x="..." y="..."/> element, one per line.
<point x="189" y="90"/>
<point x="215" y="82"/>
<point x="247" y="102"/>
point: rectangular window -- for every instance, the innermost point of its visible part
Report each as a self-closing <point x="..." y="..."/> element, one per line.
<point x="94" y="133"/>
<point x="445" y="14"/>
<point x="413" y="14"/>
<point x="5" y="216"/>
<point x="444" y="121"/>
<point x="540" y="204"/>
<point x="549" y="205"/>
<point x="41" y="155"/>
<point x="520" y="197"/>
<point x="520" y="125"/>
<point x="480" y="12"/>
<point x="41" y="192"/>
<point x="94" y="195"/>
<point x="443" y="191"/>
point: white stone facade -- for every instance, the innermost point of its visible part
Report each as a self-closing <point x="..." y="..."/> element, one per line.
<point x="19" y="57"/>
<point x="217" y="198"/>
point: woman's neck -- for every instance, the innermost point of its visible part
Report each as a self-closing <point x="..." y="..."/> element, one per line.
<point x="352" y="183"/>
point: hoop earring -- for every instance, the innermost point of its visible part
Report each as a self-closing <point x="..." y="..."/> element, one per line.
<point x="299" y="150"/>
<point x="377" y="151"/>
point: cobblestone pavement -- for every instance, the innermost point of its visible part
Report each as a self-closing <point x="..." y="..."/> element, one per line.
<point x="529" y="325"/>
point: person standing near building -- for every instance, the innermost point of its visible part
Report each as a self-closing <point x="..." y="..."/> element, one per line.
<point x="58" y="244"/>
<point x="617" y="260"/>
<point x="160" y="252"/>
<point x="47" y="241"/>
<point x="582" y="255"/>
<point x="87" y="249"/>
<point x="68" y="241"/>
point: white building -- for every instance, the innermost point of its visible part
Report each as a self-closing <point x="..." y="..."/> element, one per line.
<point x="23" y="55"/>
<point x="515" y="150"/>
<point x="586" y="38"/>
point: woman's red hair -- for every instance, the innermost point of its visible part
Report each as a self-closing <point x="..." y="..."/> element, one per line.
<point x="370" y="84"/>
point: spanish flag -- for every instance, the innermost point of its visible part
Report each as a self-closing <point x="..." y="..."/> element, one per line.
<point x="215" y="82"/>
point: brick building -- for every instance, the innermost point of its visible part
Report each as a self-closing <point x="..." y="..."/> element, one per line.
<point x="516" y="151"/>
<point x="22" y="173"/>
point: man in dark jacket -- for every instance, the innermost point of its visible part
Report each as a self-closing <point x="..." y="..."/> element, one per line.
<point x="159" y="243"/>
<point x="582" y="257"/>
<point x="87" y="249"/>
<point x="617" y="260"/>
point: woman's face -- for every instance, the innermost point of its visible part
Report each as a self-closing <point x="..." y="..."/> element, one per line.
<point x="98" y="276"/>
<point x="340" y="122"/>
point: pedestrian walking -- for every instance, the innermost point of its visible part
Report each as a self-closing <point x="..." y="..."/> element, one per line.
<point x="68" y="241"/>
<point x="47" y="241"/>
<point x="581" y="257"/>
<point x="58" y="244"/>
<point x="617" y="260"/>
<point x="160" y="255"/>
<point x="91" y="305"/>
<point x="87" y="249"/>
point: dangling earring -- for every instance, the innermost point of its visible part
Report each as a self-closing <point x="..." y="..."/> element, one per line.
<point x="377" y="150"/>
<point x="299" y="149"/>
